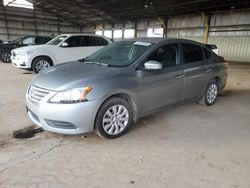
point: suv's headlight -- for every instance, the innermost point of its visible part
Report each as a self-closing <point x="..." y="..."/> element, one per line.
<point x="71" y="95"/>
<point x="24" y="52"/>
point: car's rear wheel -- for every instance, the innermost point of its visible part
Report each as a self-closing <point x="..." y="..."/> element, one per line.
<point x="5" y="56"/>
<point x="41" y="63"/>
<point x="113" y="118"/>
<point x="210" y="94"/>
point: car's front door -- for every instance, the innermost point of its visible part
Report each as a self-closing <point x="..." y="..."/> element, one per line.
<point x="163" y="87"/>
<point x="71" y="51"/>
<point x="197" y="70"/>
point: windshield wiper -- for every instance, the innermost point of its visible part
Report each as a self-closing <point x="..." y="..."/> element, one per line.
<point x="97" y="63"/>
<point x="110" y="65"/>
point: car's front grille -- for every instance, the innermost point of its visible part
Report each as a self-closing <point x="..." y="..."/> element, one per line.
<point x="36" y="94"/>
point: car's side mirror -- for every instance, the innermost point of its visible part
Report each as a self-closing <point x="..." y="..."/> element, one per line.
<point x="65" y="44"/>
<point x="152" y="65"/>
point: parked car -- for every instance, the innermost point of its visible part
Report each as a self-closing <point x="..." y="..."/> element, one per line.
<point x="63" y="48"/>
<point x="5" y="48"/>
<point x="122" y="82"/>
<point x="213" y="47"/>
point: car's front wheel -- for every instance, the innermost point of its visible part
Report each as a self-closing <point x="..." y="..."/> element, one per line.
<point x="113" y="118"/>
<point x="41" y="63"/>
<point x="210" y="94"/>
<point x="5" y="56"/>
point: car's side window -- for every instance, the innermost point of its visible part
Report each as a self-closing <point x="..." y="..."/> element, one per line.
<point x="29" y="40"/>
<point x="95" y="41"/>
<point x="83" y="41"/>
<point x="41" y="40"/>
<point x="191" y="53"/>
<point x="90" y="41"/>
<point x="167" y="55"/>
<point x="101" y="41"/>
<point x="74" y="41"/>
<point x="37" y="40"/>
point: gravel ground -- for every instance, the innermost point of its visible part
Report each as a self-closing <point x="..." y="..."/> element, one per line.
<point x="185" y="146"/>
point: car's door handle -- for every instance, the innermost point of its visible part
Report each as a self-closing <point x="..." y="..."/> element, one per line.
<point x="208" y="70"/>
<point x="179" y="76"/>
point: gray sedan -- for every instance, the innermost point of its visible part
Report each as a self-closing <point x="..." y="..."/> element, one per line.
<point x="112" y="88"/>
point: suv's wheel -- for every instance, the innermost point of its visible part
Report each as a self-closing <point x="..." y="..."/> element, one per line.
<point x="113" y="118"/>
<point x="41" y="63"/>
<point x="210" y="94"/>
<point x="5" y="56"/>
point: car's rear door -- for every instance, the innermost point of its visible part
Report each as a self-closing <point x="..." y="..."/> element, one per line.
<point x="196" y="68"/>
<point x="163" y="87"/>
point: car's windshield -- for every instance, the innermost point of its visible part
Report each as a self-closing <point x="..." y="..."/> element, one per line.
<point x="121" y="53"/>
<point x="57" y="40"/>
<point x="17" y="40"/>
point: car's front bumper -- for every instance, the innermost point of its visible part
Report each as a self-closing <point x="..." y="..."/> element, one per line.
<point x="63" y="118"/>
<point x="21" y="61"/>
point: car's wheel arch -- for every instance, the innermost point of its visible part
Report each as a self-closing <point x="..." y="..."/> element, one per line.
<point x="218" y="81"/>
<point x="39" y="56"/>
<point x="214" y="78"/>
<point x="123" y="95"/>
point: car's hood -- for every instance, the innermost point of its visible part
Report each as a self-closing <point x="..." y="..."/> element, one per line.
<point x="7" y="45"/>
<point x="72" y="74"/>
<point x="34" y="47"/>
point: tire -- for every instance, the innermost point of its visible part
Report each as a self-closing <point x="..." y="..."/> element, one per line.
<point x="211" y="94"/>
<point x="5" y="56"/>
<point x="112" y="125"/>
<point x="41" y="63"/>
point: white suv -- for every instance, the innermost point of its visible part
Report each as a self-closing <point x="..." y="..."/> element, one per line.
<point x="61" y="49"/>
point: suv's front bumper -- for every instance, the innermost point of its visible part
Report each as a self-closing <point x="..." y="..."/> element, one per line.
<point x="21" y="61"/>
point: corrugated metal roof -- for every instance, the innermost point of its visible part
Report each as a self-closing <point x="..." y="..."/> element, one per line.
<point x="91" y="12"/>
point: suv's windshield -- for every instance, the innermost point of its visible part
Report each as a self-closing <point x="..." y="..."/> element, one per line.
<point x="121" y="53"/>
<point x="57" y="40"/>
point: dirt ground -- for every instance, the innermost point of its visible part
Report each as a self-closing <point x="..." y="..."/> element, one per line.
<point x="186" y="146"/>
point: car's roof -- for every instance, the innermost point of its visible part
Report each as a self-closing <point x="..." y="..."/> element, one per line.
<point x="150" y="39"/>
<point x="34" y="36"/>
<point x="82" y="34"/>
<point x="158" y="39"/>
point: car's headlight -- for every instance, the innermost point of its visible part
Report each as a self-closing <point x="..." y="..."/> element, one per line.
<point x="24" y="52"/>
<point x="71" y="95"/>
